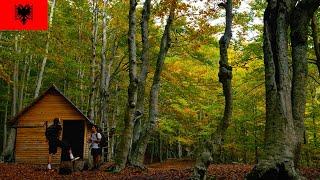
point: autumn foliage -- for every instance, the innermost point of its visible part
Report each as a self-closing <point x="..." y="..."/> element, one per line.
<point x="170" y="169"/>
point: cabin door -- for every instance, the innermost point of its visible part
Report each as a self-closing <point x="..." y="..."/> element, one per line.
<point x="73" y="133"/>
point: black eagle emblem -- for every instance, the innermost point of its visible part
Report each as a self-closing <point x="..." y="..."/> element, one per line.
<point x="23" y="13"/>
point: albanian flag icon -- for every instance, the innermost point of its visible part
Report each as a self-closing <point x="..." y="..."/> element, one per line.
<point x="23" y="15"/>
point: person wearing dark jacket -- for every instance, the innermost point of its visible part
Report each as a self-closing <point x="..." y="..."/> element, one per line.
<point x="53" y="134"/>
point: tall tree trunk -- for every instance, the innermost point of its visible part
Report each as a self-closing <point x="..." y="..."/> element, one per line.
<point x="26" y="94"/>
<point x="179" y="150"/>
<point x="81" y="75"/>
<point x="299" y="42"/>
<point x="256" y="153"/>
<point x="116" y="112"/>
<point x="126" y="138"/>
<point x="103" y="95"/>
<point x="143" y="75"/>
<point x="285" y="98"/>
<point x="109" y="122"/>
<point x="160" y="148"/>
<point x="9" y="150"/>
<point x="44" y="61"/>
<point x="212" y="150"/>
<point x="93" y="60"/>
<point x="152" y="151"/>
<point x="139" y="152"/>
<point x="313" y="116"/>
<point x="105" y="76"/>
<point x="23" y="82"/>
<point x="314" y="27"/>
<point x="5" y="121"/>
<point x="15" y="79"/>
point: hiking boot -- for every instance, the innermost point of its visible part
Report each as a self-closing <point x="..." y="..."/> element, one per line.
<point x="49" y="167"/>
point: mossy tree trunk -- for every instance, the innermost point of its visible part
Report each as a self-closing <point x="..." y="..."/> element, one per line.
<point x="138" y="152"/>
<point x="44" y="61"/>
<point x="315" y="37"/>
<point x="285" y="93"/>
<point x="143" y="75"/>
<point x="210" y="151"/>
<point x="94" y="37"/>
<point x="129" y="117"/>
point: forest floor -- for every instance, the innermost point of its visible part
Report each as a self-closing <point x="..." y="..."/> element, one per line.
<point x="170" y="169"/>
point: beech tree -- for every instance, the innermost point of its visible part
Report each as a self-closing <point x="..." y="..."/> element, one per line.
<point x="315" y="37"/>
<point x="137" y="156"/>
<point x="211" y="151"/>
<point x="129" y="117"/>
<point x="94" y="37"/>
<point x="44" y="61"/>
<point x="285" y="89"/>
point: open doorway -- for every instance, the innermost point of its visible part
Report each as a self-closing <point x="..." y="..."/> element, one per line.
<point x="73" y="133"/>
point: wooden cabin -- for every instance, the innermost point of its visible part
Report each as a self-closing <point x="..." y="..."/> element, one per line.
<point x="31" y="145"/>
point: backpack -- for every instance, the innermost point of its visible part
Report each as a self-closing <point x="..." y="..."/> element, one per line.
<point x="103" y="140"/>
<point x="50" y="132"/>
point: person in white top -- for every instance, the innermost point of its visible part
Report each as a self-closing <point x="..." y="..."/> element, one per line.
<point x="95" y="149"/>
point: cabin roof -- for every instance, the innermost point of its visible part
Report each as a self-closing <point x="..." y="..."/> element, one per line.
<point x="52" y="89"/>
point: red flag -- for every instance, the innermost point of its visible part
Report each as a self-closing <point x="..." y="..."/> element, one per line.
<point x="23" y="14"/>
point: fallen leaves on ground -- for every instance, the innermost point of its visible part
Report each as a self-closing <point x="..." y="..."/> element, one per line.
<point x="170" y="169"/>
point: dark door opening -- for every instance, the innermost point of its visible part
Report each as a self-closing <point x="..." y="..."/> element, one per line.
<point x="73" y="133"/>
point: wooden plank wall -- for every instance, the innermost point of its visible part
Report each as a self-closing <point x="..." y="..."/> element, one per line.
<point x="31" y="145"/>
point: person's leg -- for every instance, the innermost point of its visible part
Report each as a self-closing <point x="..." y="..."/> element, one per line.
<point x="96" y="158"/>
<point x="99" y="157"/>
<point x="93" y="158"/>
<point x="98" y="161"/>
<point x="52" y="151"/>
<point x="65" y="146"/>
<point x="95" y="161"/>
<point x="49" y="161"/>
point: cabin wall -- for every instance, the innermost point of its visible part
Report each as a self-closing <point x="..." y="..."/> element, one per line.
<point x="31" y="145"/>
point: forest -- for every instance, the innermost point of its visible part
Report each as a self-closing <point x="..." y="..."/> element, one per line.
<point x="230" y="83"/>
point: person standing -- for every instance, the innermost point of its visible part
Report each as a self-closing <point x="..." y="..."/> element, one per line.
<point x="53" y="134"/>
<point x="96" y="151"/>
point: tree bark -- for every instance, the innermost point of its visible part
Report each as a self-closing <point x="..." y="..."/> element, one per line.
<point x="23" y="82"/>
<point x="285" y="98"/>
<point x="143" y="76"/>
<point x="116" y="111"/>
<point x="211" y="150"/>
<point x="81" y="75"/>
<point x="103" y="91"/>
<point x="314" y="27"/>
<point x="94" y="37"/>
<point x="109" y="124"/>
<point x="179" y="150"/>
<point x="126" y="137"/>
<point x="15" y="80"/>
<point x="8" y="151"/>
<point x="26" y="94"/>
<point x="313" y="116"/>
<point x="5" y="121"/>
<point x="299" y="42"/>
<point x="44" y="61"/>
<point x="105" y="77"/>
<point x="139" y="152"/>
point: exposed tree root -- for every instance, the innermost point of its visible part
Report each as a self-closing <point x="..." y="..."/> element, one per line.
<point x="276" y="171"/>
